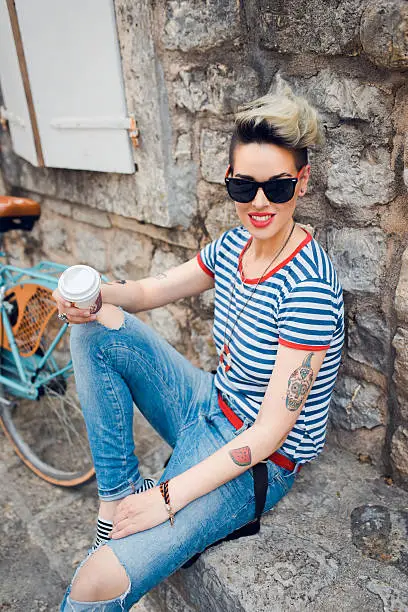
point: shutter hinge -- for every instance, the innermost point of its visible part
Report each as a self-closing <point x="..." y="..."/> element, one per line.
<point x="134" y="131"/>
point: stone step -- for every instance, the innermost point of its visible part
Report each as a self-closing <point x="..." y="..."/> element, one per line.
<point x="312" y="553"/>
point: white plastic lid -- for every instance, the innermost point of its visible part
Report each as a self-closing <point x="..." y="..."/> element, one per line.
<point x="79" y="283"/>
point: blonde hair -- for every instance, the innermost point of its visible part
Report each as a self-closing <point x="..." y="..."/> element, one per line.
<point x="278" y="118"/>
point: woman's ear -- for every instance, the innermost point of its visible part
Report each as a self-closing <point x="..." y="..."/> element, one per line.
<point x="303" y="180"/>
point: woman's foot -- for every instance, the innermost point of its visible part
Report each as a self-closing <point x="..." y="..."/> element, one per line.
<point x="107" y="512"/>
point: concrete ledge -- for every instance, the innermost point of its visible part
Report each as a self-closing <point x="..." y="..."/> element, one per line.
<point x="308" y="555"/>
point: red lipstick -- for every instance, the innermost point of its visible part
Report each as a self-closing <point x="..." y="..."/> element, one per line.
<point x="261" y="220"/>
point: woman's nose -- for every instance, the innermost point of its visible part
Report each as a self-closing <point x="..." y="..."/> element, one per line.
<point x="260" y="200"/>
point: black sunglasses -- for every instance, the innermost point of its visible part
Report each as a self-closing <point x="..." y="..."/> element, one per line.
<point x="276" y="190"/>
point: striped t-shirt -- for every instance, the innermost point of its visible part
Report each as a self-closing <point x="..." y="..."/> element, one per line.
<point x="299" y="304"/>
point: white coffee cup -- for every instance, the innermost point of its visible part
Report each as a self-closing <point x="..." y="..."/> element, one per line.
<point x="81" y="285"/>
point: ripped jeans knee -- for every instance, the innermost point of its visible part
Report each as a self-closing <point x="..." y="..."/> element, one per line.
<point x="116" y="604"/>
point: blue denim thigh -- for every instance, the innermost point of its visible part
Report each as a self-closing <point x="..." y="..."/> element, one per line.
<point x="151" y="556"/>
<point x="115" y="368"/>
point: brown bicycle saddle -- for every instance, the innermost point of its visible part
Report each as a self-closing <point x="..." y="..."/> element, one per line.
<point x="18" y="213"/>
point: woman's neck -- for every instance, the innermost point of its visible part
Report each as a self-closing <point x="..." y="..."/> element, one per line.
<point x="261" y="250"/>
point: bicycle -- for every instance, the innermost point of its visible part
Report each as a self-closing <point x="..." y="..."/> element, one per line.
<point x="39" y="408"/>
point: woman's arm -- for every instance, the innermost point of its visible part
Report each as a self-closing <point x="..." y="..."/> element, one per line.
<point x="293" y="376"/>
<point x="181" y="281"/>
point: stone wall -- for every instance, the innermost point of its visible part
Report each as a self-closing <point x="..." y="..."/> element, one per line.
<point x="187" y="66"/>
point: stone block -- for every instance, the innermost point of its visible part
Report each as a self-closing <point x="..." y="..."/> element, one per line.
<point x="23" y="247"/>
<point x="210" y="195"/>
<point x="358" y="256"/>
<point x="347" y="98"/>
<point x="91" y="250"/>
<point x="400" y="343"/>
<point x="163" y="260"/>
<point x="165" y="323"/>
<point x="214" y="147"/>
<point x="144" y="195"/>
<point x="362" y="442"/>
<point x="37" y="180"/>
<point x="356" y="404"/>
<point x="325" y="28"/>
<point x="371" y="529"/>
<point x="54" y="235"/>
<point x="2" y="184"/>
<point x="91" y="216"/>
<point x="182" y="200"/>
<point x="359" y="176"/>
<point x="217" y="89"/>
<point x="401" y="294"/>
<point x="206" y="301"/>
<point x="163" y="319"/>
<point x="183" y="150"/>
<point x="129" y="255"/>
<point x="403" y="404"/>
<point x="383" y="33"/>
<point x="203" y="343"/>
<point x="108" y="192"/>
<point x="182" y="238"/>
<point x="197" y="25"/>
<point x="399" y="449"/>
<point x="56" y="206"/>
<point x="220" y="218"/>
<point x="369" y="338"/>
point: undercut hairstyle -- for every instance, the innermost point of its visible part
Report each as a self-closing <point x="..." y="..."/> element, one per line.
<point x="282" y="119"/>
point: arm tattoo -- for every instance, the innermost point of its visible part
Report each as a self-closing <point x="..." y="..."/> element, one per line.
<point x="160" y="275"/>
<point x="241" y="456"/>
<point x="299" y="384"/>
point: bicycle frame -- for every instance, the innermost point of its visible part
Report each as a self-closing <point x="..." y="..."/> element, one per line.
<point x="29" y="369"/>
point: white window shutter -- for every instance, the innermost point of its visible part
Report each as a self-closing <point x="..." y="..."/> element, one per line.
<point x="15" y="103"/>
<point x="75" y="73"/>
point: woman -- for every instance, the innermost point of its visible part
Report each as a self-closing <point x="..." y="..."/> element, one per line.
<point x="278" y="329"/>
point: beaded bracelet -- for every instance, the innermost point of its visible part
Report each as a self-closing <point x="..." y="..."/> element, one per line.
<point x="164" y="490"/>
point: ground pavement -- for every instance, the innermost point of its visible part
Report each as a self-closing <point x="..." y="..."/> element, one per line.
<point x="337" y="542"/>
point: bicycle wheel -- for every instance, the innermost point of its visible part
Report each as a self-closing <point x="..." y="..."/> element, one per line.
<point x="47" y="433"/>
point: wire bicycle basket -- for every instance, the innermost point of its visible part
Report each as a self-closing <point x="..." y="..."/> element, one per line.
<point x="35" y="307"/>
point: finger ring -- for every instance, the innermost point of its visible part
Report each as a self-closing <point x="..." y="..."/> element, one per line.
<point x="63" y="317"/>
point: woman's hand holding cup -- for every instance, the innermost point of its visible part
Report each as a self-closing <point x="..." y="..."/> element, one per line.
<point x="78" y="295"/>
<point x="73" y="314"/>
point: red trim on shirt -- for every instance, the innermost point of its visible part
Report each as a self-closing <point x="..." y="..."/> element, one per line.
<point x="302" y="347"/>
<point x="203" y="266"/>
<point x="254" y="281"/>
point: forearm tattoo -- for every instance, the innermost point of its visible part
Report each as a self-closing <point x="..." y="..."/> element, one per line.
<point x="160" y="275"/>
<point x="299" y="384"/>
<point x="241" y="456"/>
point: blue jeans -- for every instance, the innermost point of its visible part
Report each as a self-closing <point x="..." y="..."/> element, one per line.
<point x="133" y="364"/>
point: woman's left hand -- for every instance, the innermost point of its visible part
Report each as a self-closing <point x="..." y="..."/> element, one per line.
<point x="139" y="512"/>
